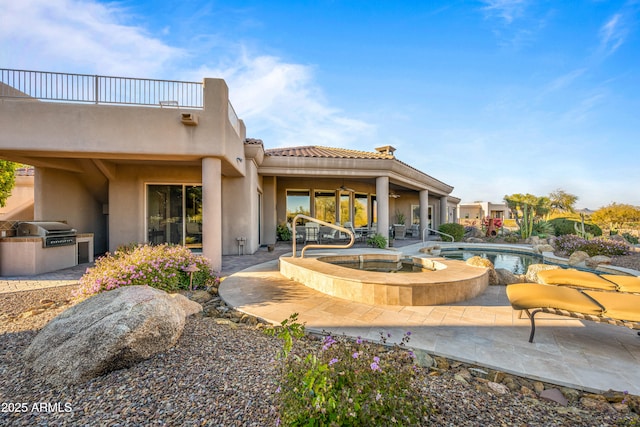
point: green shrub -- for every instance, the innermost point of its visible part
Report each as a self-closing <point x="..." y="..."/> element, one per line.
<point x="543" y="228"/>
<point x="160" y="266"/>
<point x="283" y="233"/>
<point x="456" y="230"/>
<point x="630" y="238"/>
<point x="565" y="226"/>
<point x="377" y="241"/>
<point x="339" y="382"/>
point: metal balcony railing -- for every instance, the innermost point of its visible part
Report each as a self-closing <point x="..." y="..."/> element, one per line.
<point x="64" y="87"/>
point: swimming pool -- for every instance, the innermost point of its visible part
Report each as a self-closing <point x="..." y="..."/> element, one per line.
<point x="515" y="262"/>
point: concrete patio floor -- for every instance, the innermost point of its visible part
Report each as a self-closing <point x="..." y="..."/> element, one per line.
<point x="485" y="330"/>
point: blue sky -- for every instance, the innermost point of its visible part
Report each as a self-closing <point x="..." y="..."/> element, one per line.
<point x="493" y="97"/>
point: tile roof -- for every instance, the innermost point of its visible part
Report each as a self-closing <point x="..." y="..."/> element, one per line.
<point x="325" y="152"/>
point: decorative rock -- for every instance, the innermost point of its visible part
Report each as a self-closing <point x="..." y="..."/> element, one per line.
<point x="621" y="408"/>
<point x="423" y="359"/>
<point x="614" y="396"/>
<point x="571" y="394"/>
<point x="554" y="395"/>
<point x="597" y="260"/>
<point x="478" y="372"/>
<point x="464" y="373"/>
<point x="533" y="240"/>
<point x="477" y="261"/>
<point x="460" y="379"/>
<point x="505" y="277"/>
<point x="472" y="232"/>
<point x="577" y="258"/>
<point x="109" y="331"/>
<point x="532" y="271"/>
<point x="200" y="296"/>
<point x="189" y="307"/>
<point x="474" y="240"/>
<point x="441" y="362"/>
<point x="498" y="388"/>
<point x="526" y="391"/>
<point x="596" y="404"/>
<point x="538" y="387"/>
<point x="543" y="248"/>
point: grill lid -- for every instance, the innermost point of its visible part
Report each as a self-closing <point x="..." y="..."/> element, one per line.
<point x="44" y="228"/>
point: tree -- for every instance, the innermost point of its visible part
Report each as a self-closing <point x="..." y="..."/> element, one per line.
<point x="7" y="180"/>
<point x="616" y="216"/>
<point x="561" y="201"/>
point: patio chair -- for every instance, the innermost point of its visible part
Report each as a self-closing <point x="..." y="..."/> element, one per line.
<point x="299" y="236"/>
<point x="312" y="232"/>
<point x="357" y="235"/>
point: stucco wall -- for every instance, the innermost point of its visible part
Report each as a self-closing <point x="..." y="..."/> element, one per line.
<point x="63" y="196"/>
<point x="19" y="205"/>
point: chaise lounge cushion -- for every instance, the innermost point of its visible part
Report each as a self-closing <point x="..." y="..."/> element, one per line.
<point x="625" y="283"/>
<point x="580" y="279"/>
<point x="524" y="296"/>
<point x="618" y="306"/>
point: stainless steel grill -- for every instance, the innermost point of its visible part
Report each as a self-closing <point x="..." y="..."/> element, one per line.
<point x="53" y="234"/>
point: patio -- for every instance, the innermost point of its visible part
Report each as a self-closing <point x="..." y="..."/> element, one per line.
<point x="485" y="330"/>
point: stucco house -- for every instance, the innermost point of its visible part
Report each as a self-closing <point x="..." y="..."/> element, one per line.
<point x="140" y="160"/>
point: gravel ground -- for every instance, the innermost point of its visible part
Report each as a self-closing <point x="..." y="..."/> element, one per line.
<point x="222" y="375"/>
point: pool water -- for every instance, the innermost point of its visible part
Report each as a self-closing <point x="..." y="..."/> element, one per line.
<point x="517" y="263"/>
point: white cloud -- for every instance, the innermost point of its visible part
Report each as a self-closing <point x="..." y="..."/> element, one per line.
<point x="79" y="36"/>
<point x="508" y="10"/>
<point x="612" y="34"/>
<point x="281" y="102"/>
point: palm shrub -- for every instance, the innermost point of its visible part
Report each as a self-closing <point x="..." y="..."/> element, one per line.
<point x="339" y="382"/>
<point x="542" y="229"/>
<point x="162" y="266"/>
<point x="456" y="230"/>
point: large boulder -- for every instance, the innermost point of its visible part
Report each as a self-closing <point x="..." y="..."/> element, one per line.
<point x="532" y="271"/>
<point x="477" y="261"/>
<point x="595" y="261"/>
<point x="506" y="277"/>
<point x="108" y="331"/>
<point x="578" y="258"/>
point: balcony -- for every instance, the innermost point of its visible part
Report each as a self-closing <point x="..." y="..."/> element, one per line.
<point x="109" y="90"/>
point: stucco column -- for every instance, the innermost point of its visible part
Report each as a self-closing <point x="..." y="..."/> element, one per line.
<point x="382" y="196"/>
<point x="424" y="211"/>
<point x="444" y="214"/>
<point x="212" y="211"/>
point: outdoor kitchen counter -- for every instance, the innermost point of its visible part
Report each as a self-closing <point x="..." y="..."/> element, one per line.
<point x="26" y="256"/>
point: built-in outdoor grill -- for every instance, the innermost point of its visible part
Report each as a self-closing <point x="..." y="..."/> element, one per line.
<point x="53" y="234"/>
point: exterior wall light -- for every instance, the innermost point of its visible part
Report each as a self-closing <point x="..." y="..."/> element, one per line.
<point x="189" y="119"/>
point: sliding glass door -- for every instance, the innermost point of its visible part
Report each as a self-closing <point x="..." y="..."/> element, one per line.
<point x="174" y="214"/>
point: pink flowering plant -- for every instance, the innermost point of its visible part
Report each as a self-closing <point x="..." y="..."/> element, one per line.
<point x="161" y="266"/>
<point x="569" y="243"/>
<point x="338" y="381"/>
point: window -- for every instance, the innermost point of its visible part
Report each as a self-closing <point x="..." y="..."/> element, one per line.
<point x="174" y="214"/>
<point x="415" y="214"/>
<point x="361" y="210"/>
<point x="298" y="202"/>
<point x="325" y="206"/>
<point x="345" y="208"/>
